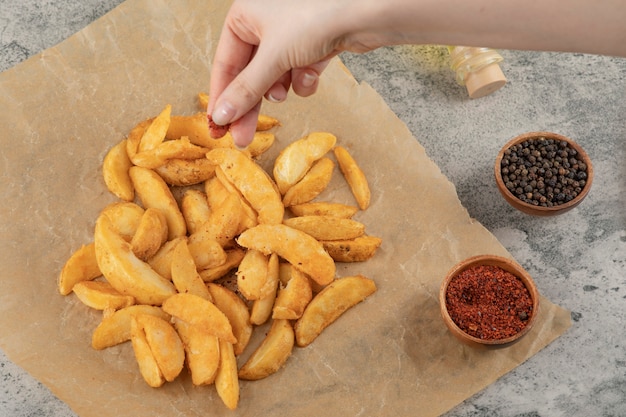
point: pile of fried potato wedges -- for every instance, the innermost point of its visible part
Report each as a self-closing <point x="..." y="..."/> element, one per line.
<point x="204" y="246"/>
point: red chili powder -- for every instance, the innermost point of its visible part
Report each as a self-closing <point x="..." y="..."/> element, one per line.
<point x="488" y="302"/>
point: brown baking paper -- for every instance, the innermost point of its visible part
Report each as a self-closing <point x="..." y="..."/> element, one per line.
<point x="390" y="355"/>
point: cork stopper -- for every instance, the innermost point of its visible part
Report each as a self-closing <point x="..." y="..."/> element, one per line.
<point x="485" y="81"/>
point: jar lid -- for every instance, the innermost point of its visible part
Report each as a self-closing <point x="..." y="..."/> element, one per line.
<point x="485" y="81"/>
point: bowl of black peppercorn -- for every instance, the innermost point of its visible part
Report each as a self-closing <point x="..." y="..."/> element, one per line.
<point x="543" y="173"/>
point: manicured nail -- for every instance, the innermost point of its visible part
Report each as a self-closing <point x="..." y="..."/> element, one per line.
<point x="308" y="80"/>
<point x="223" y="113"/>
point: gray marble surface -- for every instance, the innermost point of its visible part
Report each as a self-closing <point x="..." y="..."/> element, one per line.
<point x="578" y="259"/>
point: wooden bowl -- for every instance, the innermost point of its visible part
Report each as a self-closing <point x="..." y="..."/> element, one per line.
<point x="539" y="210"/>
<point x="505" y="264"/>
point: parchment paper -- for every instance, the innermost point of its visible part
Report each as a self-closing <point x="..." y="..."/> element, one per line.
<point x="390" y="356"/>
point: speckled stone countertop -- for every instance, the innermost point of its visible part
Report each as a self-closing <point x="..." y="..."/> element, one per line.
<point x="578" y="259"/>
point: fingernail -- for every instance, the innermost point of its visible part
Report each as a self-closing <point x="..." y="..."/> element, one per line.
<point x="223" y="113"/>
<point x="273" y="99"/>
<point x="308" y="79"/>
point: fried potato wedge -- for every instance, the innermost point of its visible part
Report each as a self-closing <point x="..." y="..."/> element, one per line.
<point x="196" y="128"/>
<point x="329" y="304"/>
<point x="100" y="295"/>
<point x="148" y="366"/>
<point x="170" y="149"/>
<point x="233" y="259"/>
<point x="164" y="342"/>
<point x="115" y="328"/>
<point x="154" y="135"/>
<point x="354" y="176"/>
<point x="271" y="354"/>
<point x="184" y="273"/>
<point x="356" y="250"/>
<point x="195" y="208"/>
<point x="327" y="227"/>
<point x="237" y="312"/>
<point x="226" y="380"/>
<point x="298" y="248"/>
<point x="202" y="352"/>
<point x="261" y="142"/>
<point x="82" y="265"/>
<point x="295" y="160"/>
<point x="151" y="233"/>
<point x="252" y="274"/>
<point x="249" y="217"/>
<point x="202" y="313"/>
<point x="293" y="298"/>
<point x="252" y="182"/>
<point x="161" y="262"/>
<point x="185" y="172"/>
<point x="124" y="271"/>
<point x="206" y="253"/>
<point x="261" y="309"/>
<point x="115" y="172"/>
<point x="125" y="217"/>
<point x="223" y="223"/>
<point x="323" y="208"/>
<point x="312" y="184"/>
<point x="154" y="192"/>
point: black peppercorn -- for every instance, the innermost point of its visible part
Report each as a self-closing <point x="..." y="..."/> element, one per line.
<point x="543" y="172"/>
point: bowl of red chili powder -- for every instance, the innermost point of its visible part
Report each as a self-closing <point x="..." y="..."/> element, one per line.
<point x="488" y="300"/>
<point x="543" y="173"/>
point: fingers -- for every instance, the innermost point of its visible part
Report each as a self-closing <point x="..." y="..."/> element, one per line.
<point x="306" y="80"/>
<point x="243" y="129"/>
<point x="278" y="92"/>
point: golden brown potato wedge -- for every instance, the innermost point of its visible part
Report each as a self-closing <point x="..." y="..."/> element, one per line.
<point x="261" y="309"/>
<point x="206" y="253"/>
<point x="154" y="135"/>
<point x="82" y="265"/>
<point x="195" y="208"/>
<point x="298" y="248"/>
<point x="327" y="227"/>
<point x="312" y="184"/>
<point x="223" y="223"/>
<point x="125" y="217"/>
<point x="237" y="312"/>
<point x="124" y="271"/>
<point x="161" y="262"/>
<point x="115" y="328"/>
<point x="271" y="354"/>
<point x="154" y="192"/>
<point x="233" y="259"/>
<point x="323" y="208"/>
<point x="266" y="122"/>
<point x="148" y="366"/>
<point x="295" y="160"/>
<point x="252" y="182"/>
<point x="115" y="172"/>
<point x="202" y="352"/>
<point x="164" y="342"/>
<point x="261" y="142"/>
<point x="356" y="250"/>
<point x="293" y="298"/>
<point x="226" y="380"/>
<point x="202" y="313"/>
<point x="196" y="128"/>
<point x="170" y="149"/>
<point x="185" y="275"/>
<point x="354" y="176"/>
<point x="252" y="274"/>
<point x="150" y="235"/>
<point x="329" y="304"/>
<point x="184" y="172"/>
<point x="100" y="295"/>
